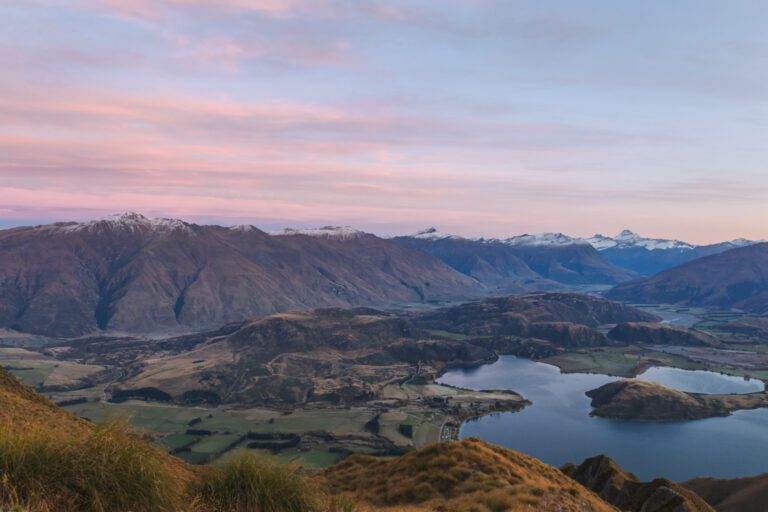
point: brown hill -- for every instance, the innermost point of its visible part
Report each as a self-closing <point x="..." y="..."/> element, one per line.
<point x="660" y="334"/>
<point x="297" y="357"/>
<point x="733" y="279"/>
<point x="627" y="493"/>
<point x="462" y="476"/>
<point x="565" y="318"/>
<point x="130" y="273"/>
<point x="648" y="401"/>
<point x="735" y="495"/>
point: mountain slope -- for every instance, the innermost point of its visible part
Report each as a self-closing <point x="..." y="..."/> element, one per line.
<point x="130" y="273"/>
<point x="733" y="279"/>
<point x="491" y="263"/>
<point x="736" y="495"/>
<point x="521" y="263"/>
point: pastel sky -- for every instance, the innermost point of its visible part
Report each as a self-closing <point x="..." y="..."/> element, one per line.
<point x="480" y="117"/>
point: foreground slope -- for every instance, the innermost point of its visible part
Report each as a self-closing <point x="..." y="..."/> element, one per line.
<point x="733" y="279"/>
<point x="462" y="476"/>
<point x="130" y="273"/>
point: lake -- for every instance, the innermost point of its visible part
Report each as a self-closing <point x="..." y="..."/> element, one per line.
<point x="557" y="428"/>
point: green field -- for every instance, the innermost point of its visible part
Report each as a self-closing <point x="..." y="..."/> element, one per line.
<point x="216" y="444"/>
<point x="170" y="423"/>
<point x="618" y="361"/>
<point x="31" y="373"/>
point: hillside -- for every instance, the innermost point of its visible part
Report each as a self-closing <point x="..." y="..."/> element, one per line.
<point x="52" y="461"/>
<point x="133" y="274"/>
<point x="493" y="264"/>
<point x="733" y="279"/>
<point x="462" y="476"/>
<point x="735" y="495"/>
<point x="538" y="315"/>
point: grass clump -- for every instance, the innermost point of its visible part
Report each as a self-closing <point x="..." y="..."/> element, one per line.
<point x="246" y="483"/>
<point x="105" y="470"/>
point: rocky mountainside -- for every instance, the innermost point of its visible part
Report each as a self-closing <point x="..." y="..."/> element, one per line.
<point x="733" y="279"/>
<point x="627" y="493"/>
<point x="130" y="273"/>
<point x="522" y="263"/>
<point x="648" y="256"/>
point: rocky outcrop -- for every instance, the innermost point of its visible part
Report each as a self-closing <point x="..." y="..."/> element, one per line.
<point x="627" y="493"/>
<point x="660" y="334"/>
<point x="647" y="401"/>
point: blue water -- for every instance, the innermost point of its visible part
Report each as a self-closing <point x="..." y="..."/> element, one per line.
<point x="698" y="381"/>
<point x="557" y="428"/>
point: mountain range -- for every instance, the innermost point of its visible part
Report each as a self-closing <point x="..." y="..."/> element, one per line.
<point x="648" y="256"/>
<point x="525" y="262"/>
<point x="630" y="254"/>
<point x="131" y="273"/>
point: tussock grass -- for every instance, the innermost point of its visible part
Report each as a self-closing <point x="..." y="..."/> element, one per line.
<point x="462" y="476"/>
<point x="246" y="483"/>
<point x="106" y="470"/>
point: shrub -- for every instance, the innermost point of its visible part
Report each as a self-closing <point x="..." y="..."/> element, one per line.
<point x="247" y="483"/>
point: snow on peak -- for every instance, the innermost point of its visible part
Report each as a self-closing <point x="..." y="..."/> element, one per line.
<point x="601" y="242"/>
<point x="130" y="221"/>
<point x="433" y="234"/>
<point x="629" y="239"/>
<point x="544" y="239"/>
<point x="742" y="242"/>
<point x="334" y="232"/>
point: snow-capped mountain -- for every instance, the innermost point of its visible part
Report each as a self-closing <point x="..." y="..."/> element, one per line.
<point x="334" y="232"/>
<point x="524" y="262"/>
<point x="128" y="221"/>
<point x="434" y="234"/>
<point x="543" y="239"/>
<point x="627" y="239"/>
<point x="648" y="256"/>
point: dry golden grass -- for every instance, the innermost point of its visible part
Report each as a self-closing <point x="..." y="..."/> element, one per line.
<point x="462" y="476"/>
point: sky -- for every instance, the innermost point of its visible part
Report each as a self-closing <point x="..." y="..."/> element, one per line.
<point x="480" y="117"/>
